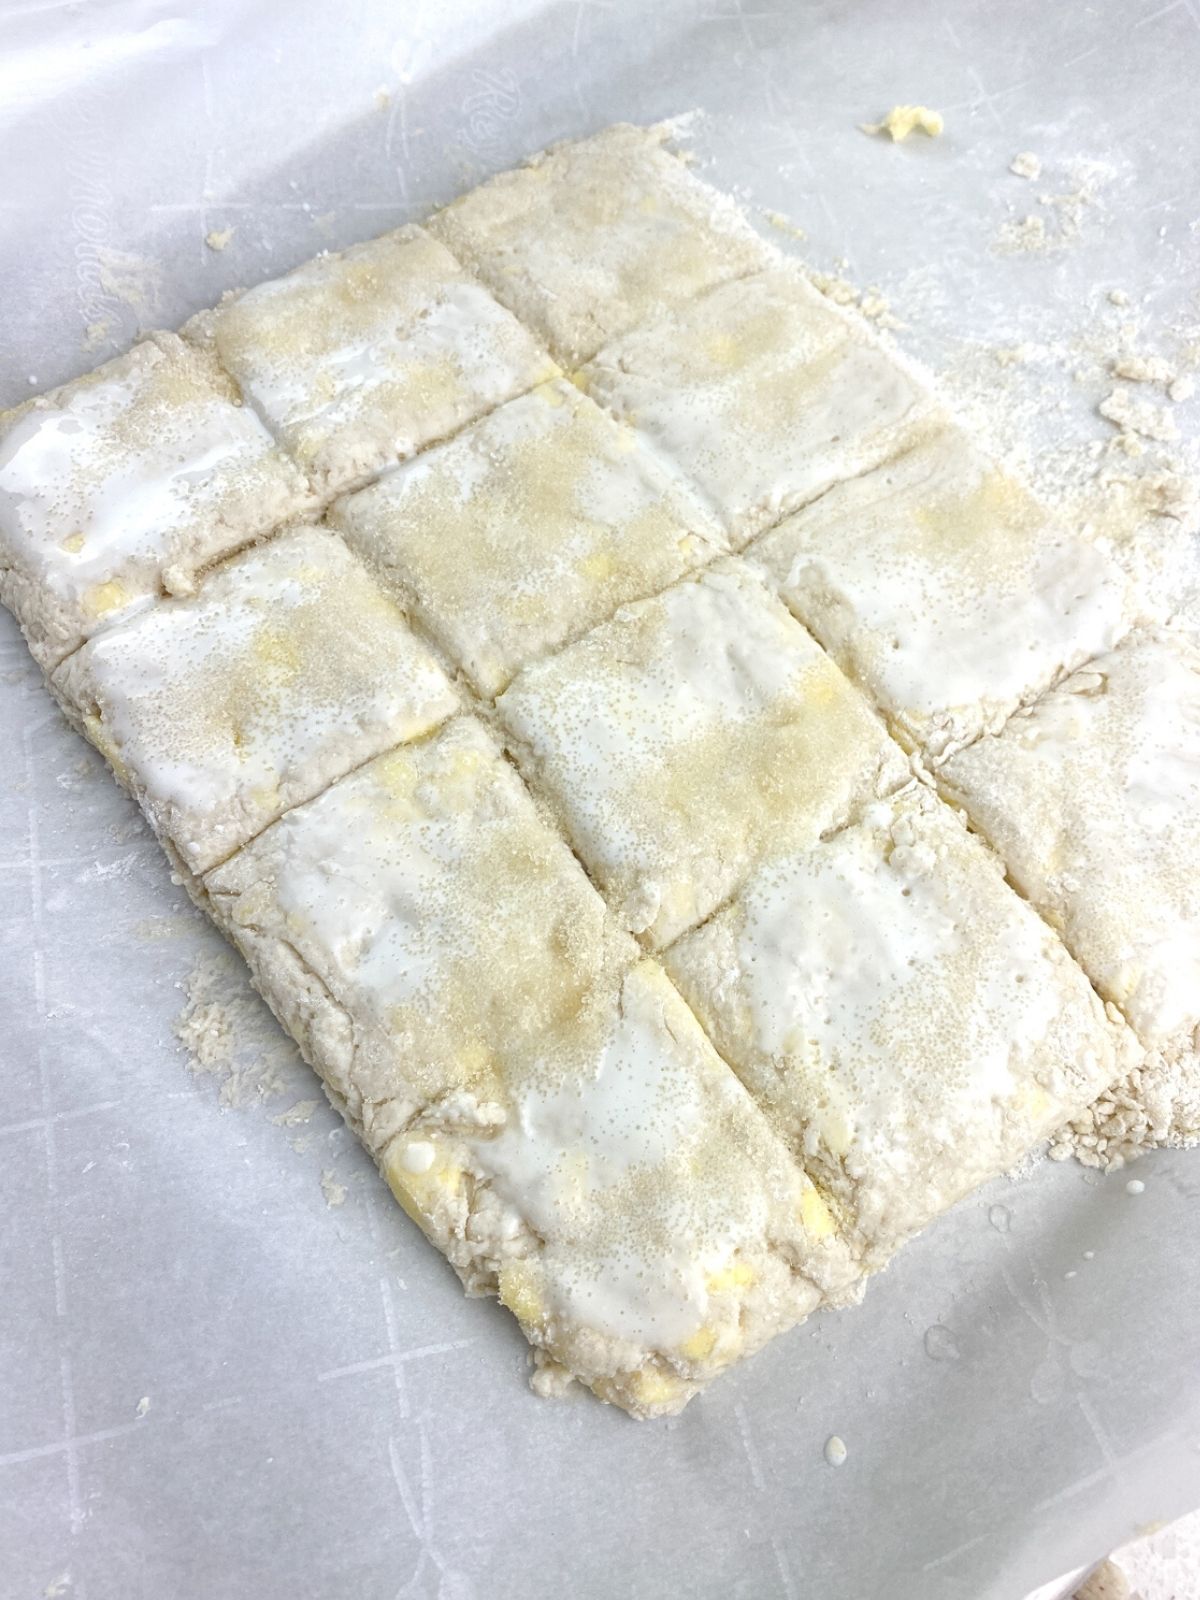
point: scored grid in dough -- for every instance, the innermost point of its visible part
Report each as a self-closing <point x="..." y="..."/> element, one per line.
<point x="526" y="529"/>
<point x="941" y="586"/>
<point x="124" y="484"/>
<point x="1092" y="796"/>
<point x="539" y="1099"/>
<point x="765" y="393"/>
<point x="357" y="360"/>
<point x="908" y="1023"/>
<point x="748" y="498"/>
<point x="283" y="672"/>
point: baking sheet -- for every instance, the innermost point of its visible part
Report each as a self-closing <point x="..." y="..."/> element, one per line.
<point x="214" y="1383"/>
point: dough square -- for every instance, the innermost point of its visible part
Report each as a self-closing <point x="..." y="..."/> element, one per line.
<point x="688" y="737"/>
<point x="121" y="485"/>
<point x="910" y="1026"/>
<point x="540" y="1100"/>
<point x="285" y="670"/>
<point x="942" y="587"/>
<point x="527" y="529"/>
<point x="764" y="393"/>
<point x="591" y="237"/>
<point x="1092" y="797"/>
<point x="358" y="359"/>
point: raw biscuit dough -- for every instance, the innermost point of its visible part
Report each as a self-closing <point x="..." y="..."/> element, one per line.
<point x="589" y="238"/>
<point x="941" y="586"/>
<point x="122" y="485"/>
<point x="540" y="1101"/>
<point x="285" y="670"/>
<point x="526" y="529"/>
<point x="909" y="1024"/>
<point x="689" y="736"/>
<point x="359" y="359"/>
<point x="1092" y="796"/>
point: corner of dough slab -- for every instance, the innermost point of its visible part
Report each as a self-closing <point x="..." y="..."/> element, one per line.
<point x="903" y="120"/>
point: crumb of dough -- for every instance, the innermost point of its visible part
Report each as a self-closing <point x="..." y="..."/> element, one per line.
<point x="1156" y="1104"/>
<point x="218" y="238"/>
<point x="835" y="1451"/>
<point x="142" y="1406"/>
<point x="1181" y="388"/>
<point x="301" y="1112"/>
<point x="1143" y="369"/>
<point x="96" y="334"/>
<point x="784" y="224"/>
<point x="1027" y="234"/>
<point x="57" y="1587"/>
<point x="1026" y="165"/>
<point x="334" y="1192"/>
<point x="1118" y="297"/>
<point x="229" y="1035"/>
<point x="903" y="120"/>
<point x="1134" y="416"/>
<point x="1108" y="1582"/>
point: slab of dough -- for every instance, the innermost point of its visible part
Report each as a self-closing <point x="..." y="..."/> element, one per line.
<point x="691" y="735"/>
<point x="288" y="668"/>
<point x="764" y="393"/>
<point x="942" y="587"/>
<point x="589" y="238"/>
<point x="1092" y="796"/>
<point x="541" y="1102"/>
<point x="121" y="486"/>
<point x="357" y="360"/>
<point x="527" y="529"/>
<point x="909" y="1024"/>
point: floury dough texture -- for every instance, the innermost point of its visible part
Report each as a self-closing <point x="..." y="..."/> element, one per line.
<point x="941" y="586"/>
<point x="287" y="669"/>
<point x="591" y="238"/>
<point x="568" y="787"/>
<point x="357" y="360"/>
<point x="540" y="1100"/>
<point x="526" y="529"/>
<point x="909" y="1024"/>
<point x="122" y="486"/>
<point x="690" y="736"/>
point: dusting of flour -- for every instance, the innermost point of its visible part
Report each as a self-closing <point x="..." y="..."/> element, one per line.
<point x="231" y="1037"/>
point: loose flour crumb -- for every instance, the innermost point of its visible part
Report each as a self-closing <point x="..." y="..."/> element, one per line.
<point x="1026" y="165"/>
<point x="230" y="1036"/>
<point x="334" y="1192"/>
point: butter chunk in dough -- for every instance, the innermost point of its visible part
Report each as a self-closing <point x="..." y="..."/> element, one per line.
<point x="120" y="486"/>
<point x="942" y="587"/>
<point x="691" y="735"/>
<point x="540" y="1100"/>
<point x="764" y="393"/>
<point x="1092" y="796"/>
<point x="525" y="530"/>
<point x="288" y="668"/>
<point x="590" y="238"/>
<point x="359" y="359"/>
<point x="910" y="1026"/>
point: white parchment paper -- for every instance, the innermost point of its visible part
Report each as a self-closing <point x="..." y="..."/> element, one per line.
<point x="213" y="1383"/>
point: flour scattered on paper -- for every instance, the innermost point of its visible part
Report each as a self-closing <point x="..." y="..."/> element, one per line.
<point x="230" y="1036"/>
<point x="135" y="280"/>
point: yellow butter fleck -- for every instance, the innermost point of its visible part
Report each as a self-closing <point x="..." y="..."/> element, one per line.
<point x="700" y="1344"/>
<point x="814" y="1214"/>
<point x="104" y="598"/>
<point x="518" y="1291"/>
<point x="737" y="1275"/>
<point x="73" y="543"/>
